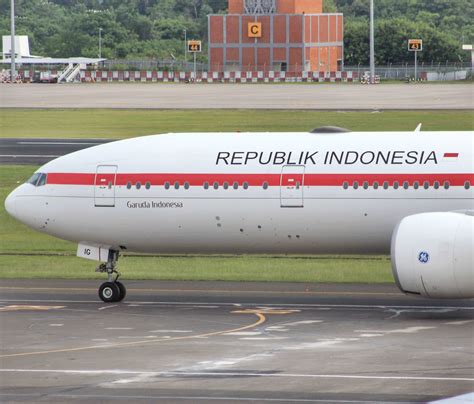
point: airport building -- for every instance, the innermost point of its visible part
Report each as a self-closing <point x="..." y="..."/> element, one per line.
<point x="276" y="35"/>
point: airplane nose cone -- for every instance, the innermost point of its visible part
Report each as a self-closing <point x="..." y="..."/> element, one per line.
<point x="10" y="204"/>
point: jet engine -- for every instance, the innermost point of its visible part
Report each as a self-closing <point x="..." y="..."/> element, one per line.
<point x="432" y="255"/>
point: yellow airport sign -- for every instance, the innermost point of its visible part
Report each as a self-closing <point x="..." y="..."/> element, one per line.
<point x="415" y="45"/>
<point x="255" y="30"/>
<point x="194" y="46"/>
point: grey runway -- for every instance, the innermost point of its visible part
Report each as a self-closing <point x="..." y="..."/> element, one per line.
<point x="40" y="151"/>
<point x="231" y="96"/>
<point x="191" y="342"/>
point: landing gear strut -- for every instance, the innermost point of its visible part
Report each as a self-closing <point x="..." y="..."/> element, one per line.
<point x="111" y="291"/>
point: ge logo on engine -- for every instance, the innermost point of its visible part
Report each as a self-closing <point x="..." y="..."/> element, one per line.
<point x="423" y="257"/>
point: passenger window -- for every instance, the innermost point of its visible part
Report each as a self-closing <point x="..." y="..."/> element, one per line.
<point x="356" y="185"/>
<point x="226" y="185"/>
<point x="385" y="185"/>
<point x="376" y="185"/>
<point x="467" y="185"/>
<point x="186" y="185"/>
<point x="236" y="185"/>
<point x="176" y="185"/>
<point x="216" y="185"/>
<point x="345" y="185"/>
<point x="446" y="184"/>
<point x="167" y="185"/>
<point x="138" y="185"/>
<point x="206" y="185"/>
<point x="426" y="185"/>
<point x="366" y="185"/>
<point x="406" y="185"/>
<point x="148" y="185"/>
<point x="245" y="185"/>
<point x="436" y="185"/>
<point x="129" y="185"/>
<point x="265" y="185"/>
<point x="395" y="185"/>
<point x="416" y="185"/>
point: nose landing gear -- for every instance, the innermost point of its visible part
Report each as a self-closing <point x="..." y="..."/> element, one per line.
<point x="111" y="291"/>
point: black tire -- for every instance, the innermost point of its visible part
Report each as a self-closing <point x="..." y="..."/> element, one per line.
<point x="109" y="292"/>
<point x="123" y="291"/>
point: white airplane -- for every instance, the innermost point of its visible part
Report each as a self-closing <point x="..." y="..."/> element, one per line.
<point x="304" y="193"/>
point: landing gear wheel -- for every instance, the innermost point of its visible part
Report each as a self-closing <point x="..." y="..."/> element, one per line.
<point x="109" y="292"/>
<point x="123" y="291"/>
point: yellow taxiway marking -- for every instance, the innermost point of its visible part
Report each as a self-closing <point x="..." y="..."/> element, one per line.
<point x="265" y="311"/>
<point x="258" y="313"/>
<point x="30" y="308"/>
<point x="303" y="292"/>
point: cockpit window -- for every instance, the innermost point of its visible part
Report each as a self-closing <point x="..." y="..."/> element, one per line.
<point x="37" y="179"/>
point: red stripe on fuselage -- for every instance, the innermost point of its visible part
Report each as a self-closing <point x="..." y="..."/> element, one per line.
<point x="259" y="179"/>
<point x="451" y="155"/>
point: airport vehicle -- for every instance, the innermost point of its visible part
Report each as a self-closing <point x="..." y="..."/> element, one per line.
<point x="321" y="192"/>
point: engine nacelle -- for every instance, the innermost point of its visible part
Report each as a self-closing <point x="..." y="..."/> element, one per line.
<point x="432" y="255"/>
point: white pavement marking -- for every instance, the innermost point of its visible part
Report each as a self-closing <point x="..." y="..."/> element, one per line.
<point x="305" y="322"/>
<point x="56" y="325"/>
<point x="107" y="307"/>
<point x="172" y="331"/>
<point x="181" y="398"/>
<point x="243" y="333"/>
<point x="30" y="155"/>
<point x="60" y="143"/>
<point x="253" y="304"/>
<point x="459" y="322"/>
<point x="240" y="374"/>
<point x="119" y="328"/>
<point x="408" y="330"/>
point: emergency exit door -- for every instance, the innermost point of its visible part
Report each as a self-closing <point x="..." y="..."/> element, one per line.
<point x="291" y="187"/>
<point x="104" y="186"/>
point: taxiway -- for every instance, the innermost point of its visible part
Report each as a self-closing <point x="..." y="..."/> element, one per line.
<point x="231" y="342"/>
<point x="250" y="96"/>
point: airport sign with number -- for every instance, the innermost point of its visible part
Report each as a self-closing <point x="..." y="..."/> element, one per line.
<point x="194" y="46"/>
<point x="415" y="45"/>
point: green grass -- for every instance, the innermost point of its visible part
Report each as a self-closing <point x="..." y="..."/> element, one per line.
<point x="17" y="239"/>
<point x="103" y="123"/>
<point x="240" y="268"/>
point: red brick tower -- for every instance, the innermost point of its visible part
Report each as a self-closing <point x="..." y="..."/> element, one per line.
<point x="289" y="35"/>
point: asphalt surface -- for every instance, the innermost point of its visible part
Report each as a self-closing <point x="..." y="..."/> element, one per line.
<point x="231" y="96"/>
<point x="193" y="342"/>
<point x="40" y="151"/>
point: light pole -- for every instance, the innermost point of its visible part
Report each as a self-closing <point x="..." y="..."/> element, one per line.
<point x="372" y="43"/>
<point x="12" y="47"/>
<point x="185" y="47"/>
<point x="100" y="43"/>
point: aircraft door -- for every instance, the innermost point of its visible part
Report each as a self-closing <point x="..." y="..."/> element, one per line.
<point x="104" y="186"/>
<point x="291" y="186"/>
